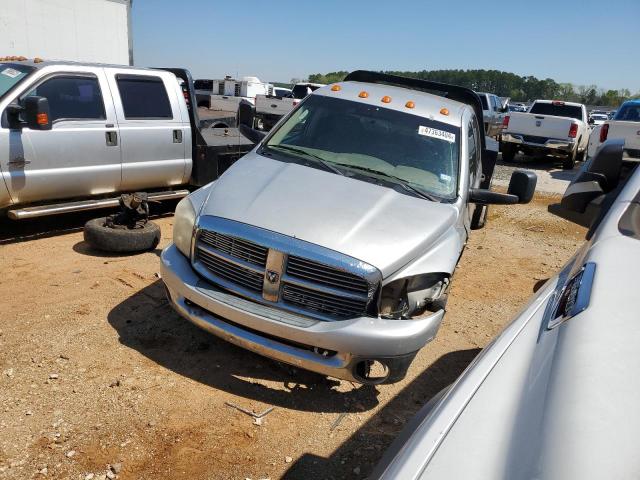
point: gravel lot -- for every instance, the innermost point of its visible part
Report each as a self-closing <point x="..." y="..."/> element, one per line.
<point x="99" y="378"/>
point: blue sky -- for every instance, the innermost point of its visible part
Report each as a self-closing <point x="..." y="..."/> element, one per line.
<point x="583" y="42"/>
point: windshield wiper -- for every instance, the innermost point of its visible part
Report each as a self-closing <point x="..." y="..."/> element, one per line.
<point x="406" y="185"/>
<point x="317" y="158"/>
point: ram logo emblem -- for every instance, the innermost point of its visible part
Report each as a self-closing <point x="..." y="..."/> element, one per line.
<point x="272" y="276"/>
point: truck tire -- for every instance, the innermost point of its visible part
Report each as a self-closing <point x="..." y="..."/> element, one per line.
<point x="479" y="217"/>
<point x="508" y="152"/>
<point x="570" y="161"/>
<point x="121" y="240"/>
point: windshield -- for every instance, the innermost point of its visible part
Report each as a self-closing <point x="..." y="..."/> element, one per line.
<point x="557" y="110"/>
<point x="11" y="74"/>
<point x="406" y="149"/>
<point x="629" y="112"/>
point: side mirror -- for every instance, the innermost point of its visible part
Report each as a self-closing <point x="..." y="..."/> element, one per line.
<point x="36" y="113"/>
<point x="504" y="109"/>
<point x="597" y="177"/>
<point x="522" y="186"/>
<point x="591" y="121"/>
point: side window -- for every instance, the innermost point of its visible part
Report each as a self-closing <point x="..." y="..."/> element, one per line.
<point x="143" y="97"/>
<point x="496" y="103"/>
<point x="473" y="147"/>
<point x="72" y="98"/>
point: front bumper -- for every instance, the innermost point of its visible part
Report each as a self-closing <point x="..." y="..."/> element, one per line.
<point x="549" y="144"/>
<point x="336" y="348"/>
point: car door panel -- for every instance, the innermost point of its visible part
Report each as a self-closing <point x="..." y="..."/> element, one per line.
<point x="72" y="159"/>
<point x="153" y="132"/>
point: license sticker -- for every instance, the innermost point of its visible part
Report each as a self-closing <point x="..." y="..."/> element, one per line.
<point x="10" y="72"/>
<point x="435" y="133"/>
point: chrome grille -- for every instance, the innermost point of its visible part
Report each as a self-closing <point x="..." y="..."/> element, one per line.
<point x="236" y="247"/>
<point x="326" y="275"/>
<point x="229" y="271"/>
<point x="278" y="270"/>
<point x="325" y="303"/>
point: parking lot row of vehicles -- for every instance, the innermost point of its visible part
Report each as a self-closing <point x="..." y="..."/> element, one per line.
<point x="332" y="244"/>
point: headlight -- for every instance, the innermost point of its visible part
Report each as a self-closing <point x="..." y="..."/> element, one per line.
<point x="410" y="297"/>
<point x="183" y="221"/>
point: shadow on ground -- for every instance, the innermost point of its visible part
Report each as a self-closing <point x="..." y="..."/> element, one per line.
<point x="147" y="323"/>
<point x="360" y="453"/>
<point x="83" y="248"/>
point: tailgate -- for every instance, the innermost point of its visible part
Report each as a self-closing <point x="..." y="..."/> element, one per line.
<point x="273" y="105"/>
<point x="546" y="126"/>
<point x="630" y="132"/>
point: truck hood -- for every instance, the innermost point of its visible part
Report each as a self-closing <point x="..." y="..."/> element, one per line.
<point x="369" y="222"/>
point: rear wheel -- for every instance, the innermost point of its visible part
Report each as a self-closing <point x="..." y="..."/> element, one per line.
<point x="508" y="152"/>
<point x="570" y="162"/>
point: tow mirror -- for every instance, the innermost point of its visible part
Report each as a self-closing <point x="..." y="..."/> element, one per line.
<point x="584" y="199"/>
<point x="36" y="113"/>
<point x="522" y="186"/>
<point x="245" y="122"/>
<point x="597" y="177"/>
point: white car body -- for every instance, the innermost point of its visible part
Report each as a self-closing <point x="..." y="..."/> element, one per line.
<point x="551" y="397"/>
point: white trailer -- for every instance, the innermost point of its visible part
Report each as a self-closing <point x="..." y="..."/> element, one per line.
<point x="227" y="93"/>
<point x="75" y="30"/>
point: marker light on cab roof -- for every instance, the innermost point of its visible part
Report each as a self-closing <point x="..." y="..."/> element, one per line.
<point x="410" y="104"/>
<point x="363" y="94"/>
<point x="386" y="99"/>
<point x="444" y="111"/>
<point x="336" y="88"/>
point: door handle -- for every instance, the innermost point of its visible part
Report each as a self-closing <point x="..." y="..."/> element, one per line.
<point x="177" y="136"/>
<point x="112" y="138"/>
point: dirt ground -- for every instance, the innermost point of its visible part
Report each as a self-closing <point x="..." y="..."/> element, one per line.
<point x="96" y="370"/>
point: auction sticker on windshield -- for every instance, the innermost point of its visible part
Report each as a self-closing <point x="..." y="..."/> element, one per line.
<point x="435" y="133"/>
<point x="11" y="72"/>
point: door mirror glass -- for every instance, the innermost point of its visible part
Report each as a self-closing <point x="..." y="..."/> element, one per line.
<point x="36" y="113"/>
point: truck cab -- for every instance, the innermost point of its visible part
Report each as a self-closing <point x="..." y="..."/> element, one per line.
<point x="97" y="130"/>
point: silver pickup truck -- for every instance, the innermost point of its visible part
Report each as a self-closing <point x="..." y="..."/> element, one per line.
<point x="332" y="245"/>
<point x="73" y="136"/>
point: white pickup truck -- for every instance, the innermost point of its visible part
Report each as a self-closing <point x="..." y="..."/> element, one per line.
<point x="550" y="127"/>
<point x="625" y="124"/>
<point x="271" y="108"/>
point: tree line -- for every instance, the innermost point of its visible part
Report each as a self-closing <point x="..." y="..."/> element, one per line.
<point x="506" y="84"/>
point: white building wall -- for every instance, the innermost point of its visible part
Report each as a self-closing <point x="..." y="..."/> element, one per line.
<point x="77" y="30"/>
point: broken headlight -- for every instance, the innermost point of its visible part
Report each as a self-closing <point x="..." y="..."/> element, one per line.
<point x="412" y="296"/>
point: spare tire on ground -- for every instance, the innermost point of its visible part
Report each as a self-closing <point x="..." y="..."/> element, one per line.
<point x="101" y="237"/>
